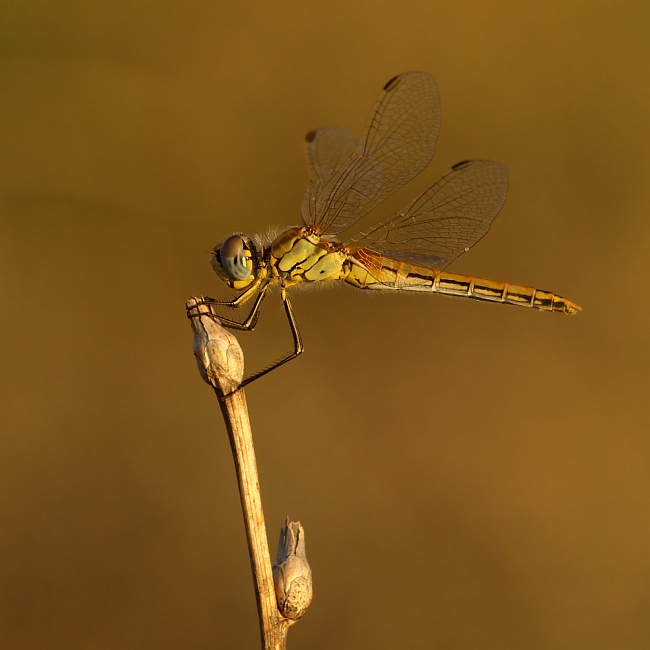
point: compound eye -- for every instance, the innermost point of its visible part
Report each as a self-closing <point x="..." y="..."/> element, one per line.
<point x="234" y="258"/>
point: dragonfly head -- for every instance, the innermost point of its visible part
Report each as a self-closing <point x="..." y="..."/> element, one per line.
<point x="236" y="261"/>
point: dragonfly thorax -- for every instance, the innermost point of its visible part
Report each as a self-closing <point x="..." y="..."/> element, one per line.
<point x="300" y="255"/>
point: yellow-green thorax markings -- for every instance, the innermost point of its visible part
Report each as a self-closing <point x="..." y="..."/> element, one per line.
<point x="300" y="256"/>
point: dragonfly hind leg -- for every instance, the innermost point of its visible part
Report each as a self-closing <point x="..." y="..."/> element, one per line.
<point x="297" y="342"/>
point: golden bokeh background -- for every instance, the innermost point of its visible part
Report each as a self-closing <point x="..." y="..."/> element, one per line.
<point x="468" y="475"/>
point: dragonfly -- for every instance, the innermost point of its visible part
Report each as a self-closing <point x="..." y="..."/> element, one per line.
<point x="349" y="177"/>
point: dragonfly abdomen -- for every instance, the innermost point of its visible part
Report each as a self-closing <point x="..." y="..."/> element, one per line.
<point x="408" y="278"/>
<point x="498" y="291"/>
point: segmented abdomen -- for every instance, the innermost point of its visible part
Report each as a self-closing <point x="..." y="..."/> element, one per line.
<point x="409" y="278"/>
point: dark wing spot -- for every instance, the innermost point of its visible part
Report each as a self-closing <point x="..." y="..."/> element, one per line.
<point x="462" y="165"/>
<point x="310" y="136"/>
<point x="390" y="85"/>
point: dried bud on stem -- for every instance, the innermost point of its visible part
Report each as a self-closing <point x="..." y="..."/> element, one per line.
<point x="218" y="355"/>
<point x="291" y="572"/>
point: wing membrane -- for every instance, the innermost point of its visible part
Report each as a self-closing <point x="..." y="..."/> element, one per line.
<point x="445" y="220"/>
<point x="325" y="150"/>
<point x="398" y="142"/>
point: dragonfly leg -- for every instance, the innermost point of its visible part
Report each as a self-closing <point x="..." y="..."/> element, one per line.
<point x="297" y="342"/>
<point x="237" y="302"/>
<point x="250" y="321"/>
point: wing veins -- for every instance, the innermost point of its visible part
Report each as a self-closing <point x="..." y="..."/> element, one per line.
<point x="397" y="143"/>
<point x="438" y="233"/>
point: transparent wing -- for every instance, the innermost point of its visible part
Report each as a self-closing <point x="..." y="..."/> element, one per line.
<point x="398" y="142"/>
<point x="445" y="220"/>
<point x="325" y="150"/>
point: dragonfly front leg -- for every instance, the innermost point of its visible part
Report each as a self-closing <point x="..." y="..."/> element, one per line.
<point x="297" y="342"/>
<point x="238" y="301"/>
<point x="249" y="322"/>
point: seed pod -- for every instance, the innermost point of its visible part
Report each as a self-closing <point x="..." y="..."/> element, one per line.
<point x="291" y="572"/>
<point x="218" y="355"/>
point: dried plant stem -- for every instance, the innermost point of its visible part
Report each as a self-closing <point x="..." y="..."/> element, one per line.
<point x="273" y="626"/>
<point x="221" y="364"/>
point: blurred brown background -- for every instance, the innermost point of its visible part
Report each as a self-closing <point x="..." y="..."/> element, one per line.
<point x="469" y="475"/>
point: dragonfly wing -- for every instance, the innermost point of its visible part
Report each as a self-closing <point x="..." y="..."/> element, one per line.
<point x="445" y="220"/>
<point x="325" y="150"/>
<point x="398" y="142"/>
